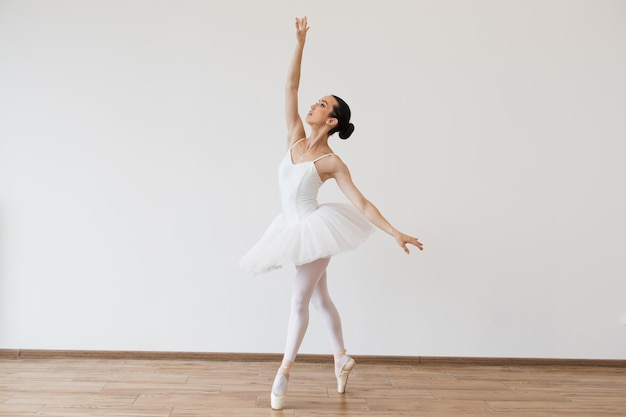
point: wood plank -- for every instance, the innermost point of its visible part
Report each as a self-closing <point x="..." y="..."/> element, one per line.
<point x="84" y="386"/>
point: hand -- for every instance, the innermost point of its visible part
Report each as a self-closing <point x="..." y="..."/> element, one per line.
<point x="301" y="29"/>
<point x="403" y="239"/>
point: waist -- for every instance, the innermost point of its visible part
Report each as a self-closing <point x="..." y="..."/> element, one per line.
<point x="295" y="213"/>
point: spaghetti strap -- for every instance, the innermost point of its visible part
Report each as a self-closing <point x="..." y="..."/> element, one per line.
<point x="298" y="141"/>
<point x="323" y="156"/>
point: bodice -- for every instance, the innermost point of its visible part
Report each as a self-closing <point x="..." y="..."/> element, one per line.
<point x="299" y="185"/>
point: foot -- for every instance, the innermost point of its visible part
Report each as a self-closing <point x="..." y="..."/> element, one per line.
<point x="279" y="391"/>
<point x="342" y="374"/>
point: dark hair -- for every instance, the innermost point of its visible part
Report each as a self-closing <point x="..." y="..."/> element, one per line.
<point x="342" y="113"/>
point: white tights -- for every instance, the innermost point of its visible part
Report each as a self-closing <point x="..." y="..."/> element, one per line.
<point x="311" y="286"/>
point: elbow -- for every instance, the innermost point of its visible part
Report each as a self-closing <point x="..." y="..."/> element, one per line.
<point x="364" y="206"/>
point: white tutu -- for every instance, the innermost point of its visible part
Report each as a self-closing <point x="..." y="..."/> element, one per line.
<point x="330" y="229"/>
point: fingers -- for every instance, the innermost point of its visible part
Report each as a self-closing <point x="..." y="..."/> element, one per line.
<point x="413" y="241"/>
<point x="403" y="240"/>
<point x="301" y="24"/>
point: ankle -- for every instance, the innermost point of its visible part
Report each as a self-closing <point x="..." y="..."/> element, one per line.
<point x="285" y="367"/>
<point x="340" y="354"/>
<point x="341" y="358"/>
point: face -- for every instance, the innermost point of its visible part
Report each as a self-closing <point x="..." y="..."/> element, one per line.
<point x="319" y="112"/>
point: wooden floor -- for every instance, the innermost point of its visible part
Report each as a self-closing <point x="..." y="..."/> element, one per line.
<point x="178" y="388"/>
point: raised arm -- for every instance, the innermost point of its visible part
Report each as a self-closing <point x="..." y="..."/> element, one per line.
<point x="344" y="181"/>
<point x="295" y="127"/>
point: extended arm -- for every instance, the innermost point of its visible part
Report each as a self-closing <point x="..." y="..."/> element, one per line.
<point x="344" y="181"/>
<point x="295" y="128"/>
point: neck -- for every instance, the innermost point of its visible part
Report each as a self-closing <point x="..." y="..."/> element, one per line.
<point x="317" y="138"/>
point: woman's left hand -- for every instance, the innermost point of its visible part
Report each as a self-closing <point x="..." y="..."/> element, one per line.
<point x="403" y="240"/>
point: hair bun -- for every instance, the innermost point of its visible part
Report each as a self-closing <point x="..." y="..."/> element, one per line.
<point x="346" y="131"/>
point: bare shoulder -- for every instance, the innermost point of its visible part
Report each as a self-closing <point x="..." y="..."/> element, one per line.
<point x="293" y="139"/>
<point x="332" y="167"/>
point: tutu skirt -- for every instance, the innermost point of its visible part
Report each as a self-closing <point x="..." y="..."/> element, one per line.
<point x="330" y="229"/>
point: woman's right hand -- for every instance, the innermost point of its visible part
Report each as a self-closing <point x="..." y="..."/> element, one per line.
<point x="295" y="127"/>
<point x="301" y="29"/>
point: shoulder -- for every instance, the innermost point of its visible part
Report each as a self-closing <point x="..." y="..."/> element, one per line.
<point x="332" y="166"/>
<point x="292" y="142"/>
<point x="332" y="160"/>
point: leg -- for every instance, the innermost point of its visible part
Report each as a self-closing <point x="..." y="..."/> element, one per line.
<point x="324" y="304"/>
<point x="307" y="278"/>
<point x="322" y="301"/>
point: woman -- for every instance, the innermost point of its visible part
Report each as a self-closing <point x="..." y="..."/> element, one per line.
<point x="307" y="234"/>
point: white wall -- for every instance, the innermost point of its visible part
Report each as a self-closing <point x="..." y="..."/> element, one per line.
<point x="138" y="149"/>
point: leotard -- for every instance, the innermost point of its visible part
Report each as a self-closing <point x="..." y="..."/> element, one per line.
<point x="305" y="230"/>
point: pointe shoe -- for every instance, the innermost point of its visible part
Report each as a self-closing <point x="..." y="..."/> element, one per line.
<point x="342" y="378"/>
<point x="277" y="401"/>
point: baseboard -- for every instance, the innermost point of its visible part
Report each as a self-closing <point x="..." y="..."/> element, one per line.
<point x="9" y="353"/>
<point x="276" y="357"/>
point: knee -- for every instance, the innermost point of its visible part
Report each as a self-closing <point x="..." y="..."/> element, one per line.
<point x="322" y="303"/>
<point x="300" y="304"/>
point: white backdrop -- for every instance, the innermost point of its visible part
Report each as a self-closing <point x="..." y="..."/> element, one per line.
<point x="139" y="142"/>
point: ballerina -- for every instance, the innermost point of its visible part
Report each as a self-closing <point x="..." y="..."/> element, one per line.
<point x="307" y="234"/>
